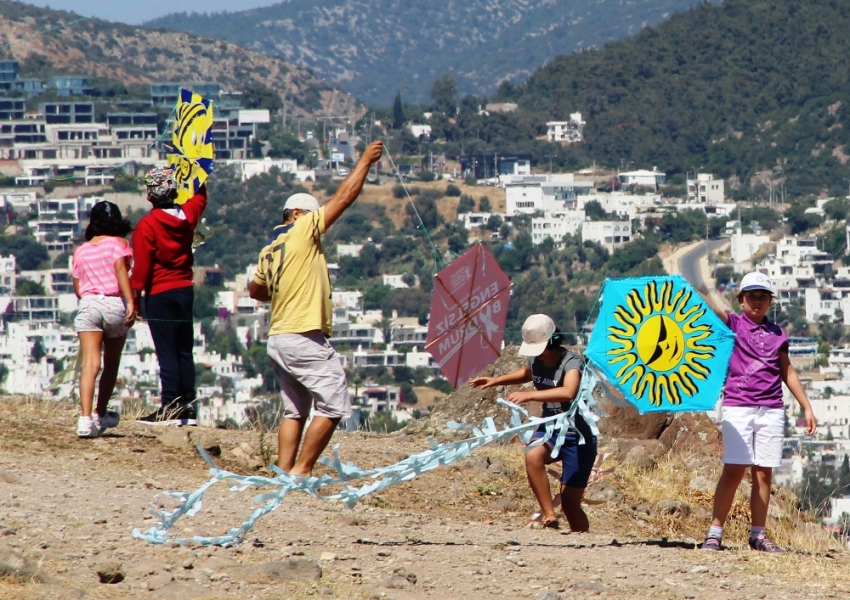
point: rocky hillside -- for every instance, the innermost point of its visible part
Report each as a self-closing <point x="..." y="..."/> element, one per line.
<point x="375" y="47"/>
<point x="134" y="55"/>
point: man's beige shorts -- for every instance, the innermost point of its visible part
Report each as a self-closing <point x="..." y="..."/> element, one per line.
<point x="310" y="374"/>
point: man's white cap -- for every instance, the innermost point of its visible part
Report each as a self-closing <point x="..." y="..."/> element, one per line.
<point x="301" y="201"/>
<point x="536" y="333"/>
<point x="756" y="281"/>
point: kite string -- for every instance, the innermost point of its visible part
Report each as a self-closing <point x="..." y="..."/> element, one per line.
<point x="437" y="260"/>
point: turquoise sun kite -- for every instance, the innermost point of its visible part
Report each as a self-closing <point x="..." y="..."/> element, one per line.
<point x="660" y="345"/>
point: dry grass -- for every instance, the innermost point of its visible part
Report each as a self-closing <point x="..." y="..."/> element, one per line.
<point x="396" y="208"/>
<point x="787" y="525"/>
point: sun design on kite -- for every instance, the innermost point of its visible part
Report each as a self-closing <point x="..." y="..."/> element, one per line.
<point x="659" y="346"/>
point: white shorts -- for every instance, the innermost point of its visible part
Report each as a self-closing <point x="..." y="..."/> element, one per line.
<point x="310" y="375"/>
<point x="102" y="313"/>
<point x="752" y="435"/>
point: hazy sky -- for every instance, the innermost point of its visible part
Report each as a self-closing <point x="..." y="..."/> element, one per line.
<point x="135" y="12"/>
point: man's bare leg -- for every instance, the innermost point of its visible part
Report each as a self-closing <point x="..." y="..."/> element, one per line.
<point x="288" y="439"/>
<point x="316" y="439"/>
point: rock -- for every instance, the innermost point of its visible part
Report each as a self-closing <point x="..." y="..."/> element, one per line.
<point x="411" y="577"/>
<point x="58" y="592"/>
<point x="604" y="492"/>
<point x="205" y="440"/>
<point x="627" y="422"/>
<point x="702" y="484"/>
<point x="159" y="581"/>
<point x="503" y="505"/>
<point x="324" y="591"/>
<point x="700" y="569"/>
<point x="675" y="508"/>
<point x="10" y="478"/>
<point x="292" y="568"/>
<point x="174" y="437"/>
<point x="145" y="566"/>
<point x="182" y="591"/>
<point x="327" y="556"/>
<point x="640" y="458"/>
<point x="692" y="433"/>
<point x="549" y="596"/>
<point x="110" y="572"/>
<point x="15" y="566"/>
<point x="589" y="586"/>
<point x="397" y="582"/>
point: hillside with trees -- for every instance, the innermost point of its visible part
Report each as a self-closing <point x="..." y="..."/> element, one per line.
<point x="124" y="60"/>
<point x="755" y="91"/>
<point x="375" y="47"/>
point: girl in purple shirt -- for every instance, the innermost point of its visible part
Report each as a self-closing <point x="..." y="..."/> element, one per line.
<point x="753" y="413"/>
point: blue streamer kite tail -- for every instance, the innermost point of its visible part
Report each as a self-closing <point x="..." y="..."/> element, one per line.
<point x="383" y="477"/>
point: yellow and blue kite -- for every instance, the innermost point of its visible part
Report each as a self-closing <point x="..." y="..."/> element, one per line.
<point x="659" y="343"/>
<point x="191" y="152"/>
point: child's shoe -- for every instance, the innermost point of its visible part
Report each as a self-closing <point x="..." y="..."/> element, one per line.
<point x="87" y="428"/>
<point x="110" y="419"/>
<point x="765" y="545"/>
<point x="711" y="543"/>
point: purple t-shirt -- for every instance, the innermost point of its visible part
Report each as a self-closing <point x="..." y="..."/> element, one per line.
<point x="754" y="378"/>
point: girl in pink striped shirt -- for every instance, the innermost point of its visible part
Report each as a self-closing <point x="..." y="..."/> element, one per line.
<point x="105" y="312"/>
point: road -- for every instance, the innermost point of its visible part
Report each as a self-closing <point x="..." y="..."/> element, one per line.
<point x="689" y="262"/>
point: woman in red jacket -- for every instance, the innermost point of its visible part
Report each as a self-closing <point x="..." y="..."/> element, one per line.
<point x="162" y="268"/>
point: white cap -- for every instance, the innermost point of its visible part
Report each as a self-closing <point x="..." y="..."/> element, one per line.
<point x="756" y="281"/>
<point x="536" y="333"/>
<point x="301" y="201"/>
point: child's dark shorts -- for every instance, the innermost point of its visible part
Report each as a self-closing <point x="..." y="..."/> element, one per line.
<point x="577" y="459"/>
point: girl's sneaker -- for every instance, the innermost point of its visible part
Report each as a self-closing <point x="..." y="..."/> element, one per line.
<point x="87" y="428"/>
<point x="110" y="419"/>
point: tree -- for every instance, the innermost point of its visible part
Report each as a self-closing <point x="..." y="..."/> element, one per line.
<point x="466" y="204"/>
<point x="38" y="352"/>
<point x="28" y="287"/>
<point x="594" y="212"/>
<point x="204" y="305"/>
<point x="398" y="112"/>
<point x="28" y="252"/>
<point x="125" y="183"/>
<point x="484" y="204"/>
<point x="256" y="95"/>
<point x="444" y="93"/>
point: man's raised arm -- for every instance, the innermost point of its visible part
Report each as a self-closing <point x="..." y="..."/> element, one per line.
<point x="350" y="188"/>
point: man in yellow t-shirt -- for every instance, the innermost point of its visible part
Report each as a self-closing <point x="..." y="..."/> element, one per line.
<point x="292" y="274"/>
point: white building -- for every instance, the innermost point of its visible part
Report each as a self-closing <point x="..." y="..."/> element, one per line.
<point x="397" y="281"/>
<point x="419" y="130"/>
<point x="349" y="250"/>
<point x="609" y="234"/>
<point x="8" y="276"/>
<point x="643" y="178"/>
<point x="473" y="219"/>
<point x="569" y="132"/>
<point x="820" y="303"/>
<point x="556" y="225"/>
<point x="248" y="168"/>
<point x="744" y="246"/>
<point x="705" y="189"/>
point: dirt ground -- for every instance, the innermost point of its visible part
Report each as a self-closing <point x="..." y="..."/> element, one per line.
<point x="68" y="506"/>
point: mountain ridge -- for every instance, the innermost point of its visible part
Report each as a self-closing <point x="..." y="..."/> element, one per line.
<point x="377" y="47"/>
<point x="54" y="42"/>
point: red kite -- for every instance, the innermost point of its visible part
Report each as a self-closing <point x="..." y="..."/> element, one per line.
<point x="469" y="308"/>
